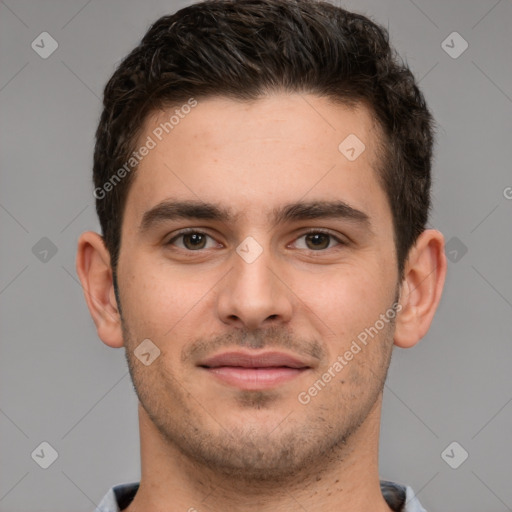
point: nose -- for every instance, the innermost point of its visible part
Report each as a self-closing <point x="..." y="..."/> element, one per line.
<point x="253" y="295"/>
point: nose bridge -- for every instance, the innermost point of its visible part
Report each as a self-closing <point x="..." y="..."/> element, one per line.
<point x="254" y="272"/>
<point x="252" y="294"/>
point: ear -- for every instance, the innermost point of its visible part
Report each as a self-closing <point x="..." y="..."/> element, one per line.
<point x="95" y="273"/>
<point x="421" y="288"/>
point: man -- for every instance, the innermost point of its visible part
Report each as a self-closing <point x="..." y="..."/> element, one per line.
<point x="262" y="179"/>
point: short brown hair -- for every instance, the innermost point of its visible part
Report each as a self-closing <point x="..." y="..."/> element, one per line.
<point x="243" y="49"/>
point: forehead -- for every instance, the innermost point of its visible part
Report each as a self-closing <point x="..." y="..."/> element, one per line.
<point x="255" y="156"/>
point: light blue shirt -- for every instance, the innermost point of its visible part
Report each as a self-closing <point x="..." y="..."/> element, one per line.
<point x="122" y="494"/>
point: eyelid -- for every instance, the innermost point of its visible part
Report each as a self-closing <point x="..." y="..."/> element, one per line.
<point x="187" y="231"/>
<point x="324" y="231"/>
<point x="201" y="231"/>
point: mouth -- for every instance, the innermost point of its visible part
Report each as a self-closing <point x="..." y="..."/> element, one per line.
<point x="254" y="371"/>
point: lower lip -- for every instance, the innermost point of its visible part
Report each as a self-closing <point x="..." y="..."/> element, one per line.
<point x="255" y="378"/>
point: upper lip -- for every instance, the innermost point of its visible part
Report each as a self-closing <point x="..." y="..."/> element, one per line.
<point x="261" y="360"/>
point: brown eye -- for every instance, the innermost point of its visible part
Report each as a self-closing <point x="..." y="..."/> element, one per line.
<point x="192" y="241"/>
<point x="317" y="241"/>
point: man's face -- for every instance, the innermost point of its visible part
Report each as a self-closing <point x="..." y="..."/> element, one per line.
<point x="305" y="284"/>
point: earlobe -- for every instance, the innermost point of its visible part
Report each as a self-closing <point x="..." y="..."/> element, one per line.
<point x="421" y="289"/>
<point x="95" y="273"/>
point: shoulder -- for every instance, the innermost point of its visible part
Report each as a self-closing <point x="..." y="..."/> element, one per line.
<point x="400" y="498"/>
<point x="118" y="497"/>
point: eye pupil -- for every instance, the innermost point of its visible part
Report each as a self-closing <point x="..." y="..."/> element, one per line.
<point x="319" y="240"/>
<point x="195" y="240"/>
<point x="314" y="241"/>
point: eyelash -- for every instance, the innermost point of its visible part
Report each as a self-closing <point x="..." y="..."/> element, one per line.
<point x="308" y="232"/>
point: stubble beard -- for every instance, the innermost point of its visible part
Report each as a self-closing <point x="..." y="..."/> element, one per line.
<point x="306" y="441"/>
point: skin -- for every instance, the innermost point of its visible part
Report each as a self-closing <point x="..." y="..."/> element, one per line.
<point x="207" y="445"/>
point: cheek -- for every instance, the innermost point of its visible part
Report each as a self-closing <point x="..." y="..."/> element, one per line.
<point x="346" y="299"/>
<point x="344" y="309"/>
<point x="155" y="297"/>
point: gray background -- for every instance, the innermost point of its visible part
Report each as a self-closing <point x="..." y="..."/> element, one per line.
<point x="60" y="384"/>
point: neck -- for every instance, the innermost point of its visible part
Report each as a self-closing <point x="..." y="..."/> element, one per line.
<point x="346" y="479"/>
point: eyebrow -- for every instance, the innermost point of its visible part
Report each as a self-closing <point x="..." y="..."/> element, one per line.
<point x="169" y="210"/>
